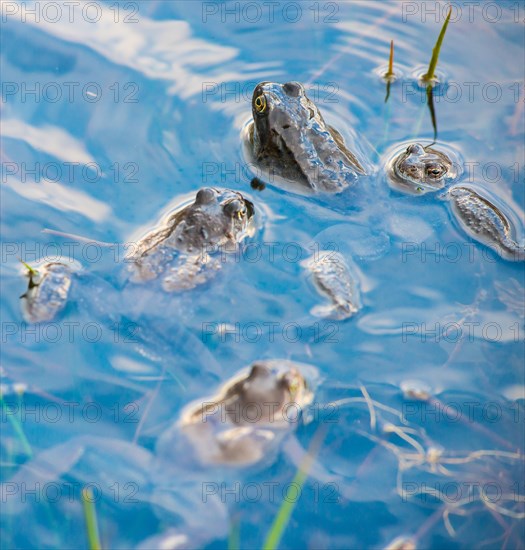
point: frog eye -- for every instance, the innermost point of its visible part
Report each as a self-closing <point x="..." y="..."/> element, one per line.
<point x="293" y="387"/>
<point x="259" y="371"/>
<point x="235" y="209"/>
<point x="260" y="103"/>
<point x="292" y="382"/>
<point x="205" y="195"/>
<point x="435" y="170"/>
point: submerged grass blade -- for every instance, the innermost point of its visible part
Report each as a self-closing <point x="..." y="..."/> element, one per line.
<point x="390" y="73"/>
<point x="285" y="511"/>
<point x="437" y="48"/>
<point x="17" y="426"/>
<point x="90" y="516"/>
<point x="388" y="83"/>
<point x="234" y="541"/>
<point x="430" y="102"/>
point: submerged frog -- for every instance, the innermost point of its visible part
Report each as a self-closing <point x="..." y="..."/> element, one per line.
<point x="419" y="170"/>
<point x="289" y="138"/>
<point x="485" y="222"/>
<point x="47" y="291"/>
<point x="184" y="252"/>
<point x="333" y="279"/>
<point x="249" y="415"/>
<point x="181" y="249"/>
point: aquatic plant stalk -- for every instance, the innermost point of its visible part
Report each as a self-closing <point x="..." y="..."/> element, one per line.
<point x="429" y="75"/>
<point x="430" y="103"/>
<point x="31" y="270"/>
<point x="90" y="516"/>
<point x="234" y="535"/>
<point x="17" y="426"/>
<point x="285" y="511"/>
<point x="390" y="72"/>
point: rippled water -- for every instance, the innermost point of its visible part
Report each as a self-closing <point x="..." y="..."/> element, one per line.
<point x="112" y="114"/>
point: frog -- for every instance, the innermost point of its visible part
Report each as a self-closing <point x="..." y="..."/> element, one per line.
<point x="421" y="169"/>
<point x="184" y="251"/>
<point x="334" y="280"/>
<point x="484" y="221"/>
<point x="248" y="416"/>
<point x="180" y="251"/>
<point x="47" y="291"/>
<point x="293" y="145"/>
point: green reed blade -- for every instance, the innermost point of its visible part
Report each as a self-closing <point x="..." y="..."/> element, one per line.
<point x="90" y="515"/>
<point x="31" y="270"/>
<point x="234" y="542"/>
<point x="437" y="48"/>
<point x="285" y="511"/>
<point x="390" y="71"/>
<point x="17" y="426"/>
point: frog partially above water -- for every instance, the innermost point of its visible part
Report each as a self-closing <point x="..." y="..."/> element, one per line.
<point x="249" y="414"/>
<point x="181" y="249"/>
<point x="290" y="140"/>
<point x="47" y="291"/>
<point x="419" y="170"/>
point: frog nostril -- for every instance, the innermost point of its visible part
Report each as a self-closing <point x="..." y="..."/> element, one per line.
<point x="415" y="149"/>
<point x="293" y="89"/>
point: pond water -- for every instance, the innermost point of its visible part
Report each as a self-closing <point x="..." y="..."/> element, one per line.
<point x="115" y="112"/>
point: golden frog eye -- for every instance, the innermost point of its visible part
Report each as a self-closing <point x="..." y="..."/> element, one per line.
<point x="260" y="103"/>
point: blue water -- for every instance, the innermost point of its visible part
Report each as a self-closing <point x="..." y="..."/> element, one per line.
<point x="108" y="124"/>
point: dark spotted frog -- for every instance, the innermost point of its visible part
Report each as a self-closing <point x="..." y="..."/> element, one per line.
<point x="47" y="291"/>
<point x="292" y="144"/>
<point x="419" y="170"/>
<point x="181" y="250"/>
<point x="334" y="280"/>
<point x="479" y="216"/>
<point x="249" y="415"/>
